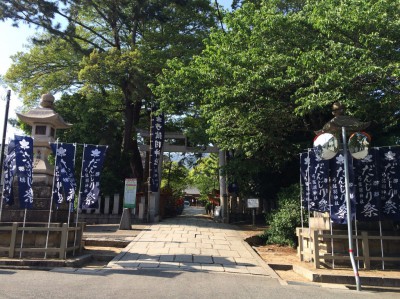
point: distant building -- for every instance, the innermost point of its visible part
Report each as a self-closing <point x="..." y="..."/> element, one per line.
<point x="192" y="194"/>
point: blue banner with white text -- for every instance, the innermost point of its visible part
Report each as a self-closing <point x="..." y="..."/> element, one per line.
<point x="157" y="140"/>
<point x="64" y="179"/>
<point x="367" y="184"/>
<point x="389" y="182"/>
<point x="338" y="189"/>
<point x="9" y="170"/>
<point x="24" y="167"/>
<point x="314" y="177"/>
<point x="92" y="164"/>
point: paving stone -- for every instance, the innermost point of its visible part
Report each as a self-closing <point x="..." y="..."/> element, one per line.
<point x="206" y="251"/>
<point x="187" y="245"/>
<point x="222" y="242"/>
<point x="204" y="246"/>
<point x="245" y="261"/>
<point x="229" y="253"/>
<point x="245" y="254"/>
<point x="203" y="259"/>
<point x="167" y="257"/>
<point x="224" y="260"/>
<point x="219" y="246"/>
<point x="184" y="258"/>
<point x="169" y="265"/>
<point x="159" y="251"/>
<point x="177" y="251"/>
<point x="207" y="241"/>
<point x="172" y="244"/>
<point x="193" y="251"/>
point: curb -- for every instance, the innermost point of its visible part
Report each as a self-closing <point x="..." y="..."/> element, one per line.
<point x="37" y="264"/>
<point x="347" y="279"/>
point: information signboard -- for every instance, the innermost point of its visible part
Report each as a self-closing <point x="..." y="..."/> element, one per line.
<point x="130" y="193"/>
<point x="253" y="203"/>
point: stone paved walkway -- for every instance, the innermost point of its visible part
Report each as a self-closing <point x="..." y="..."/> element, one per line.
<point x="190" y="243"/>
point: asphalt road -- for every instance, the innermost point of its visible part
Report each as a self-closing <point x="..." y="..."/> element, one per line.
<point x="147" y="283"/>
<point x="162" y="283"/>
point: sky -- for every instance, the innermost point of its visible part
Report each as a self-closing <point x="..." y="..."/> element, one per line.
<point x="12" y="40"/>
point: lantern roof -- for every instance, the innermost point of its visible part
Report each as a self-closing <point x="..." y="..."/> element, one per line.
<point x="44" y="114"/>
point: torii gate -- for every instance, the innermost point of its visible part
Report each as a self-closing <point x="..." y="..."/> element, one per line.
<point x="154" y="197"/>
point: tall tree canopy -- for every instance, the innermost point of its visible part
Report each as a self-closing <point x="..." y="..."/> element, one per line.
<point x="109" y="49"/>
<point x="279" y="64"/>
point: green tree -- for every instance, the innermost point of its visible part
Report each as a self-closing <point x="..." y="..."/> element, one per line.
<point x="174" y="176"/>
<point x="205" y="175"/>
<point x="266" y="82"/>
<point x="109" y="49"/>
<point x="92" y="125"/>
<point x="229" y="85"/>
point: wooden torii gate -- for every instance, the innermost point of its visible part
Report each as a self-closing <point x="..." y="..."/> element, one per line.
<point x="154" y="197"/>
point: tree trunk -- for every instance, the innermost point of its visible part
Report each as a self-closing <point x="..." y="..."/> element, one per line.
<point x="130" y="145"/>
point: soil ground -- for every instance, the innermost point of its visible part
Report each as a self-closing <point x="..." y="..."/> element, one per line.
<point x="282" y="258"/>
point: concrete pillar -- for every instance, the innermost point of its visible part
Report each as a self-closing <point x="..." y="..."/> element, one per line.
<point x="107" y="205"/>
<point x="116" y="204"/>
<point x="141" y="210"/>
<point x="152" y="208"/>
<point x="97" y="211"/>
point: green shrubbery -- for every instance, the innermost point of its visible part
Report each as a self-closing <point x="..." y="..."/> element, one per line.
<point x="284" y="220"/>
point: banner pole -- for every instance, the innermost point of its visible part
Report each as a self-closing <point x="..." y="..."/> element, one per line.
<point x="66" y="236"/>
<point x="331" y="224"/>
<point x="23" y="234"/>
<point x="348" y="205"/>
<point x="3" y="144"/>
<point x="51" y="202"/>
<point x="380" y="235"/>
<point x="70" y="207"/>
<point x="79" y="201"/>
<point x="301" y="200"/>
<point x="1" y="204"/>
<point x="356" y="231"/>
<point x="355" y="225"/>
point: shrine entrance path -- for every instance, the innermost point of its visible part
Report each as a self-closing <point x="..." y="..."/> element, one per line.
<point x="192" y="242"/>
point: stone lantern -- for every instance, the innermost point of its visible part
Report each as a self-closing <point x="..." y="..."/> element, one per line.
<point x="44" y="122"/>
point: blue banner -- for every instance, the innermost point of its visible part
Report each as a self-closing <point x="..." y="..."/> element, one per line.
<point x="157" y="140"/>
<point x="374" y="184"/>
<point x="338" y="189"/>
<point x="92" y="164"/>
<point x="366" y="180"/>
<point x="23" y="160"/>
<point x="314" y="177"/>
<point x="64" y="174"/>
<point x="9" y="169"/>
<point x="389" y="182"/>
